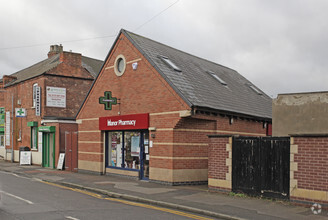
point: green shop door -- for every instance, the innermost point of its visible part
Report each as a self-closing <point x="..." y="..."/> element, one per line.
<point x="48" y="146"/>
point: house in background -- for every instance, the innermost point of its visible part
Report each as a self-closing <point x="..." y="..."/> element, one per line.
<point x="151" y="107"/>
<point x="300" y="113"/>
<point x="304" y="117"/>
<point x="40" y="103"/>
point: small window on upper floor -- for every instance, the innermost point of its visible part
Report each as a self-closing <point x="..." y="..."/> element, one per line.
<point x="34" y="95"/>
<point x="255" y="90"/>
<point x="217" y="78"/>
<point x="170" y="63"/>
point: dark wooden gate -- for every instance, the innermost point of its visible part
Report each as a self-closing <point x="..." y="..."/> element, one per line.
<point x="260" y="166"/>
<point x="71" y="162"/>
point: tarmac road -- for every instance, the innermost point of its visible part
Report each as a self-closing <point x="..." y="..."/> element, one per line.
<point x="191" y="199"/>
<point x="28" y="198"/>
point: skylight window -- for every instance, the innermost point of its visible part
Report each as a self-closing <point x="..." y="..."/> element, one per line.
<point x="170" y="63"/>
<point x="217" y="78"/>
<point x="255" y="90"/>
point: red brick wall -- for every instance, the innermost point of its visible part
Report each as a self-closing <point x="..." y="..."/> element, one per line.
<point x="23" y="92"/>
<point x="241" y="125"/>
<point x="217" y="155"/>
<point x="145" y="91"/>
<point x="71" y="66"/>
<point x="140" y="91"/>
<point x="312" y="164"/>
<point x="76" y="91"/>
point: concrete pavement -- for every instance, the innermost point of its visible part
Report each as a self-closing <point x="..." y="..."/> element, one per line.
<point x="194" y="199"/>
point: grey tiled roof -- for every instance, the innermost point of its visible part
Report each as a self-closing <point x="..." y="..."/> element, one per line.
<point x="197" y="87"/>
<point x="93" y="66"/>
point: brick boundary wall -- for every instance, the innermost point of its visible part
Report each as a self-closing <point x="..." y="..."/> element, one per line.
<point x="220" y="163"/>
<point x="309" y="170"/>
<point x="308" y="167"/>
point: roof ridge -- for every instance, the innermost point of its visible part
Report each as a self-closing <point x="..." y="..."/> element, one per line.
<point x="49" y="58"/>
<point x="189" y="54"/>
<point x="92" y="58"/>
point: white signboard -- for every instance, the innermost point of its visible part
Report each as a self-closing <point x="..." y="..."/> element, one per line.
<point x="7" y="129"/>
<point x="38" y="101"/>
<point x="61" y="161"/>
<point x="20" y="112"/>
<point x="25" y="158"/>
<point x="40" y="141"/>
<point x="56" y="97"/>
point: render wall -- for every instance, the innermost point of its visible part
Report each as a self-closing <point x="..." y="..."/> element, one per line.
<point x="303" y="113"/>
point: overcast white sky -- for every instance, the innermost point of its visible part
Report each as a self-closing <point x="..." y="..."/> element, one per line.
<point x="281" y="45"/>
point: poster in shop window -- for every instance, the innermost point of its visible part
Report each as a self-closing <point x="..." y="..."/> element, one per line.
<point x="56" y="97"/>
<point x="135" y="140"/>
<point x="119" y="155"/>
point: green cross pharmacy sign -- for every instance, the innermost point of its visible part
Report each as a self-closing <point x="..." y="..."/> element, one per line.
<point x="20" y="112"/>
<point x="108" y="100"/>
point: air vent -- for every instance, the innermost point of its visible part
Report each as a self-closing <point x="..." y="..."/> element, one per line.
<point x="170" y="63"/>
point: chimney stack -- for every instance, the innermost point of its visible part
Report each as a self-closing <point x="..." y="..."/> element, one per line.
<point x="7" y="79"/>
<point x="55" y="49"/>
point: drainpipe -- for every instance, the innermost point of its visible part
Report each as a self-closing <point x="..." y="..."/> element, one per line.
<point x="12" y="128"/>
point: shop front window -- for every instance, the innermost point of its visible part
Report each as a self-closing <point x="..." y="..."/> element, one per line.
<point x="115" y="152"/>
<point x="132" y="150"/>
<point x="128" y="149"/>
<point x="2" y="140"/>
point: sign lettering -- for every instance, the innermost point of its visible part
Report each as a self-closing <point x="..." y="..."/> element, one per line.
<point x="56" y="97"/>
<point x="120" y="122"/>
<point x="124" y="122"/>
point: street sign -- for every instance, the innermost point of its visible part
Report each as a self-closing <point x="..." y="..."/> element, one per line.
<point x="25" y="158"/>
<point x="20" y="112"/>
<point x="61" y="161"/>
<point x="7" y="129"/>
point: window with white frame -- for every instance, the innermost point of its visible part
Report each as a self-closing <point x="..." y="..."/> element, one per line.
<point x="34" y="138"/>
<point x="35" y="85"/>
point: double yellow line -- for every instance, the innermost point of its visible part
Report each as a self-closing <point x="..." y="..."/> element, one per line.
<point x="131" y="203"/>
